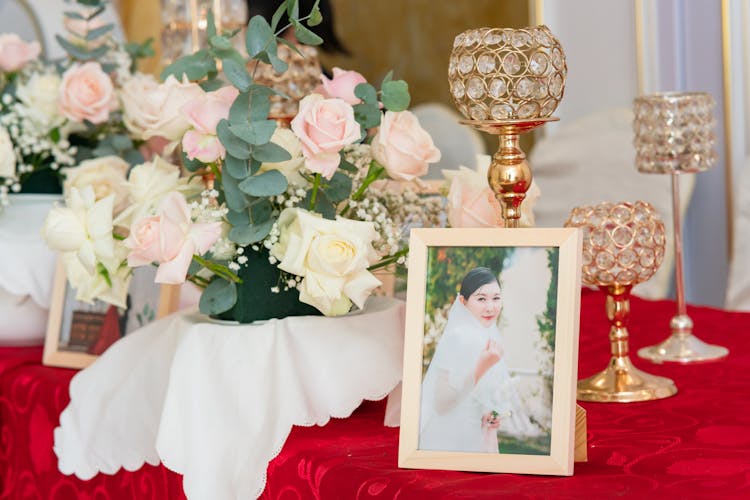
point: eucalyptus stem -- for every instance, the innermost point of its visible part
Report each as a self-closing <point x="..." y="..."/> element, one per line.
<point x="376" y="170"/>
<point x="390" y="260"/>
<point x="314" y="196"/>
<point x="218" y="269"/>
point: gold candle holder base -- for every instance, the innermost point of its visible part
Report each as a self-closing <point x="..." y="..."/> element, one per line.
<point x="682" y="346"/>
<point x="509" y="174"/>
<point x="621" y="382"/>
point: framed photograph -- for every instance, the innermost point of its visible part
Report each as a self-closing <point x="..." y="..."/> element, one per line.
<point x="491" y="350"/>
<point x="78" y="332"/>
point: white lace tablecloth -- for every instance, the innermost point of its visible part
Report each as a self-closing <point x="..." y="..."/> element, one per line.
<point x="216" y="402"/>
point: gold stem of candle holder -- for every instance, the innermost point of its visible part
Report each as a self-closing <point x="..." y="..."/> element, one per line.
<point x="681" y="346"/>
<point x="509" y="174"/>
<point x="621" y="382"/>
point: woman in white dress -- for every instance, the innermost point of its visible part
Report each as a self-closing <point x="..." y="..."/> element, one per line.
<point x="465" y="386"/>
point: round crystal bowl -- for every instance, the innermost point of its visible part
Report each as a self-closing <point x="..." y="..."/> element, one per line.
<point x="674" y="132"/>
<point x="507" y="74"/>
<point x="623" y="243"/>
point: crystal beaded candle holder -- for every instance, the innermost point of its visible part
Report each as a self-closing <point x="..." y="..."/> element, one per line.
<point x="623" y="245"/>
<point x="674" y="134"/>
<point x="507" y="82"/>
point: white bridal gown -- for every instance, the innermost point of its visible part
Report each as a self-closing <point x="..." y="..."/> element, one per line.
<point x="452" y="405"/>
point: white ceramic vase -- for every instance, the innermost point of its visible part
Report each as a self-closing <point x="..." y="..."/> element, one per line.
<point x="27" y="269"/>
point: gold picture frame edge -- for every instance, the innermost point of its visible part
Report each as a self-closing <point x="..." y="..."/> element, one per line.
<point x="560" y="461"/>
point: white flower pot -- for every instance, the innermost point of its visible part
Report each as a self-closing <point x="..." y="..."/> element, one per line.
<point x="27" y="269"/>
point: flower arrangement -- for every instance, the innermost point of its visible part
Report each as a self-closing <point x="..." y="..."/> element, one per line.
<point x="54" y="115"/>
<point x="269" y="221"/>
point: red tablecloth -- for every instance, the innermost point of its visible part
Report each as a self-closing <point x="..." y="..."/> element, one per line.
<point x="695" y="444"/>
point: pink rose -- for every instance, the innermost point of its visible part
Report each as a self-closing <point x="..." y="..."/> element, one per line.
<point x="178" y="240"/>
<point x="403" y="147"/>
<point x="86" y="93"/>
<point x="472" y="205"/>
<point x="204" y="114"/>
<point x="144" y="242"/>
<point x="324" y="126"/>
<point x="342" y="85"/>
<point x="15" y="53"/>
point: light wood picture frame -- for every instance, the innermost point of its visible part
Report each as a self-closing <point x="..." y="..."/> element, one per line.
<point x="515" y="415"/>
<point x="75" y="328"/>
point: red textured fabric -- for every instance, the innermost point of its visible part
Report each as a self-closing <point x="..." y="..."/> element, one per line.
<point x="693" y="445"/>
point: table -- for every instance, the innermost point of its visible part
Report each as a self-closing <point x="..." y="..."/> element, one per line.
<point x="695" y="444"/>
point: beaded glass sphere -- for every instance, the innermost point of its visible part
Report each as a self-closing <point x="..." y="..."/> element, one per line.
<point x="674" y="132"/>
<point x="507" y="74"/>
<point x="623" y="243"/>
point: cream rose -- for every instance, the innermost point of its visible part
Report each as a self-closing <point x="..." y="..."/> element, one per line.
<point x="7" y="155"/>
<point x="160" y="112"/>
<point x="87" y="93"/>
<point x="290" y="168"/>
<point x="15" y="53"/>
<point x="403" y="147"/>
<point x="325" y="127"/>
<point x="90" y="286"/>
<point x="106" y="175"/>
<point x="141" y="99"/>
<point x="41" y="95"/>
<point x="331" y="256"/>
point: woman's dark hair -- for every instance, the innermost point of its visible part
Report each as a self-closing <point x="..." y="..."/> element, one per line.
<point x="476" y="278"/>
<point x="324" y="30"/>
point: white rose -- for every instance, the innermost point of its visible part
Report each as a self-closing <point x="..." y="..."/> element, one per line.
<point x="84" y="226"/>
<point x="157" y="111"/>
<point x="290" y="168"/>
<point x="148" y="183"/>
<point x="331" y="256"/>
<point x="106" y="175"/>
<point x="7" y="155"/>
<point x="94" y="286"/>
<point x="40" y="94"/>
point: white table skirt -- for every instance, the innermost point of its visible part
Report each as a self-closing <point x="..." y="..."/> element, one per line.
<point x="216" y="402"/>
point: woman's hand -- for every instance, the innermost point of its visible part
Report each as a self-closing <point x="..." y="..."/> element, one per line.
<point x="491" y="354"/>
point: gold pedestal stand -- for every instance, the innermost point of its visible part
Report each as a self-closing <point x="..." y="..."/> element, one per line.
<point x="509" y="174"/>
<point x="621" y="382"/>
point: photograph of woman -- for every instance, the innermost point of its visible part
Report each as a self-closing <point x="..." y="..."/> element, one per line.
<point x="470" y="398"/>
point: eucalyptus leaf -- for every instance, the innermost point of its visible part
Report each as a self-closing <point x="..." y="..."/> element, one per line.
<point x="246" y="235"/>
<point x="339" y="187"/>
<point x="191" y="165"/>
<point x="277" y="16"/>
<point x="220" y="42"/>
<point x="210" y="24"/>
<point x="220" y="295"/>
<point x="270" y="153"/>
<point x="292" y="9"/>
<point x="80" y="53"/>
<point x="269" y="183"/>
<point x="346" y="166"/>
<point x="99" y="32"/>
<point x="315" y="16"/>
<point x="260" y="106"/>
<point x="233" y="144"/>
<point x="97" y="11"/>
<point x="323" y="205"/>
<point x="304" y="34"/>
<point x="195" y="66"/>
<point x="211" y="84"/>
<point x="133" y="157"/>
<point x="261" y="210"/>
<point x="387" y="78"/>
<point x="240" y="109"/>
<point x="278" y="65"/>
<point x="256" y="133"/>
<point x="259" y="36"/>
<point x="396" y="95"/>
<point x="237" y="74"/>
<point x="235" y="167"/>
<point x="238" y="218"/>
<point x="367" y="93"/>
<point x="290" y="45"/>
<point x="236" y="199"/>
<point x="367" y="115"/>
<point x="254" y="166"/>
<point x="74" y="15"/>
<point x="121" y="142"/>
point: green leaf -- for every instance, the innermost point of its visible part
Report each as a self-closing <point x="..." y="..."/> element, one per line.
<point x="191" y="165"/>
<point x="315" y="16"/>
<point x="387" y="78"/>
<point x="367" y="93"/>
<point x="304" y="35"/>
<point x="367" y="115"/>
<point x="277" y="16"/>
<point x="346" y="166"/>
<point x="237" y="74"/>
<point x="238" y="218"/>
<point x="246" y="235"/>
<point x="210" y="24"/>
<point x="220" y="42"/>
<point x="396" y="95"/>
<point x="292" y="9"/>
<point x="133" y="157"/>
<point x="54" y="135"/>
<point x="261" y="210"/>
<point x="269" y="183"/>
<point x="339" y="187"/>
<point x="254" y="132"/>
<point x="240" y="109"/>
<point x="100" y="8"/>
<point x="196" y="66"/>
<point x="121" y="142"/>
<point x="233" y="144"/>
<point x="211" y="84"/>
<point x="219" y="296"/>
<point x="235" y="167"/>
<point x="323" y="205"/>
<point x="81" y="53"/>
<point x="271" y="153"/>
<point x="99" y="32"/>
<point x="278" y="65"/>
<point x="259" y="36"/>
<point x="254" y="166"/>
<point x="74" y="15"/>
<point x="260" y="105"/>
<point x="236" y="199"/>
<point x="290" y="45"/>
